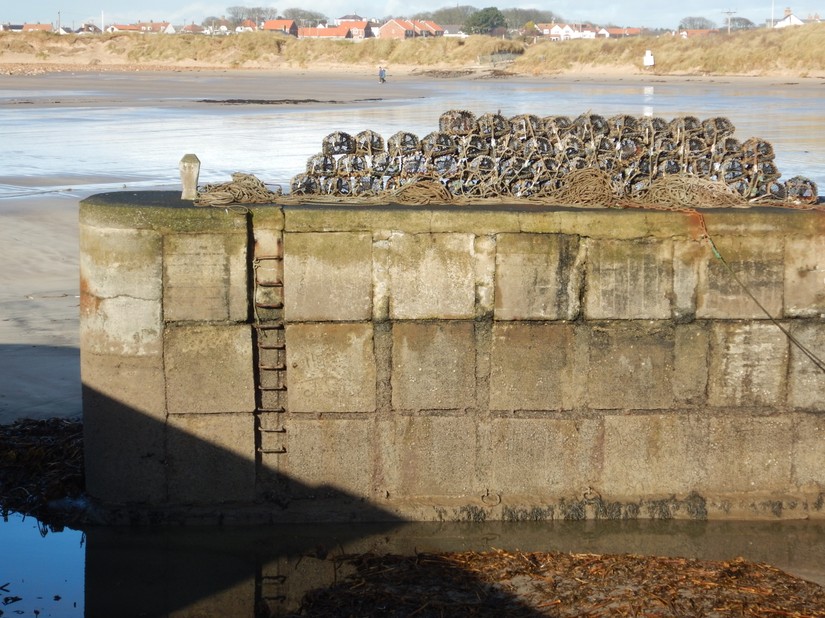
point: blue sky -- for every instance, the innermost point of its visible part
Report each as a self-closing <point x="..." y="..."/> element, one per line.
<point x="628" y="13"/>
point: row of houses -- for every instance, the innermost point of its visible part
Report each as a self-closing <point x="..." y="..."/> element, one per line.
<point x="355" y="27"/>
<point x="347" y="27"/>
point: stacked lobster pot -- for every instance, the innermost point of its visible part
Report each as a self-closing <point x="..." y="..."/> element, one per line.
<point x="528" y="156"/>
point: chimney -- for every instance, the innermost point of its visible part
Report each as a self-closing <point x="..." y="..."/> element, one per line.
<point x="788" y="11"/>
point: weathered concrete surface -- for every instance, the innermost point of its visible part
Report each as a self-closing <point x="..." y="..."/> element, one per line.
<point x="453" y="364"/>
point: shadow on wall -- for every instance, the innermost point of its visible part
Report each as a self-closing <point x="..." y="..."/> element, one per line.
<point x="187" y="568"/>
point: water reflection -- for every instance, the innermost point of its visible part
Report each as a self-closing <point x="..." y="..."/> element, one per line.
<point x="242" y="571"/>
<point x="40" y="571"/>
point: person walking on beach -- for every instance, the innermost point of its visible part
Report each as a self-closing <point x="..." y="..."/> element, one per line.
<point x="382" y="75"/>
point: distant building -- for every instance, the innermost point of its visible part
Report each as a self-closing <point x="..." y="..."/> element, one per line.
<point x="38" y="28"/>
<point x="409" y="29"/>
<point x="336" y="32"/>
<point x="192" y="28"/>
<point x="286" y="26"/>
<point x="88" y="29"/>
<point x="789" y="20"/>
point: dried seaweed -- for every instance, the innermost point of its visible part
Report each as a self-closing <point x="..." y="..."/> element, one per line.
<point x="502" y="583"/>
<point x="40" y="461"/>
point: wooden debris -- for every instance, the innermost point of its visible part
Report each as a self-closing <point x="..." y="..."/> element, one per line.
<point x="518" y="584"/>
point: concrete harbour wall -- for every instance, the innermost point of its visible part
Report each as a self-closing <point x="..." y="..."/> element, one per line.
<point x="328" y="363"/>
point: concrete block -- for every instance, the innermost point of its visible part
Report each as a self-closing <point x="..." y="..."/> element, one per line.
<point x="630" y="366"/>
<point x="485" y="275"/>
<point x="433" y="365"/>
<point x="805" y="277"/>
<point x="806" y="382"/>
<point x="211" y="458"/>
<point x="531" y="365"/>
<point x="435" y="456"/>
<point x="748" y="364"/>
<point x="209" y="369"/>
<point x="331" y="367"/>
<point x="205" y="277"/>
<point x="749" y="454"/>
<point x="432" y="276"/>
<point x="687" y="257"/>
<point x="124" y="432"/>
<point x="116" y="262"/>
<point x="122" y="325"/>
<point x="331" y="456"/>
<point x="538" y="276"/>
<point x="539" y="457"/>
<point x="690" y="363"/>
<point x="628" y="280"/>
<point x="809" y="453"/>
<point x="757" y="263"/>
<point x="328" y="276"/>
<point x="654" y="454"/>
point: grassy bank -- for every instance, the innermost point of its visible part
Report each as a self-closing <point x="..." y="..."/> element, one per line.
<point x="792" y="51"/>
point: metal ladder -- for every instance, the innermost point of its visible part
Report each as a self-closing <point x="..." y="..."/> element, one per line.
<point x="270" y="375"/>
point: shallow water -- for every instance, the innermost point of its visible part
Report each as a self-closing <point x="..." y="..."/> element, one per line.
<point x="230" y="571"/>
<point x="93" y="143"/>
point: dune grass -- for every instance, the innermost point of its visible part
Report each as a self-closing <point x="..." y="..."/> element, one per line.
<point x="740" y="53"/>
<point x="795" y="50"/>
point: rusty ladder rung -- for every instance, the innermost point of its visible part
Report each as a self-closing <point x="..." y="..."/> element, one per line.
<point x="279" y="367"/>
<point x="270" y="305"/>
<point x="279" y="430"/>
<point x="271" y="325"/>
<point x="272" y="451"/>
<point x="272" y="388"/>
<point x="278" y="410"/>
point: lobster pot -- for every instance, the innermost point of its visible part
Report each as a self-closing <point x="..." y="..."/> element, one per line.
<point x="556" y="126"/>
<point x="621" y="124"/>
<point x="686" y="125"/>
<point x="304" y="184"/>
<point x="446" y="166"/>
<point x="437" y="144"/>
<point x="457" y="122"/>
<point x="471" y="146"/>
<point x="366" y="186"/>
<point x="801" y="189"/>
<point x="508" y="146"/>
<point x="403" y="143"/>
<point x="368" y="142"/>
<point x="415" y="164"/>
<point x="717" y="128"/>
<point x="482" y="166"/>
<point x="352" y="165"/>
<point x="492" y="126"/>
<point x="338" y="143"/>
<point x="320" y="165"/>
<point x="525" y="126"/>
<point x="537" y="148"/>
<point x="756" y="149"/>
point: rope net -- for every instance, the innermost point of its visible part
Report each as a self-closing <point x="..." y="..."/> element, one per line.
<point x="589" y="161"/>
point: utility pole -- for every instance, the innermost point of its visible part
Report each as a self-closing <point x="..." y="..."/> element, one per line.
<point x="729" y="13"/>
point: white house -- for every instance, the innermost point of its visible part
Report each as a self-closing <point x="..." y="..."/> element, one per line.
<point x="789" y="20"/>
